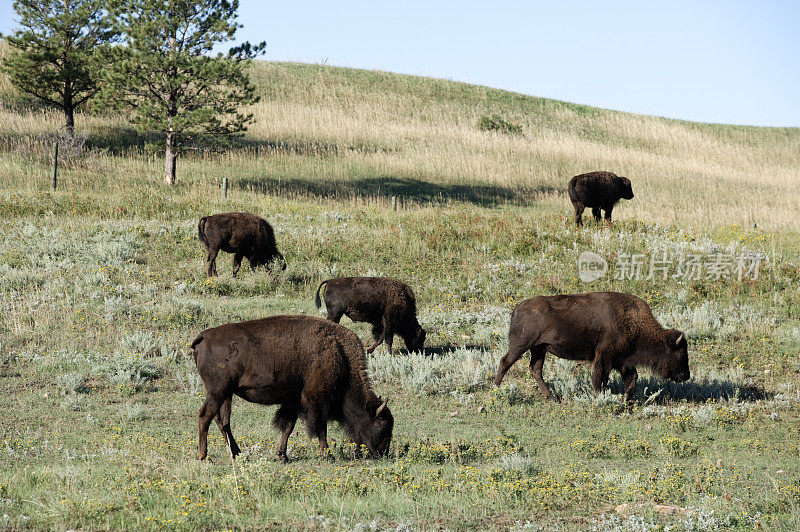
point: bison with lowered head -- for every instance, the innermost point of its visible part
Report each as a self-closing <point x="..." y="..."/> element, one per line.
<point x="311" y="367"/>
<point x="612" y="330"/>
<point x="388" y="304"/>
<point x="240" y="233"/>
<point x="598" y="190"/>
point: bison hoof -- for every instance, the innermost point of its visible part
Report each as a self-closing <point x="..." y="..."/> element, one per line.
<point x="283" y="457"/>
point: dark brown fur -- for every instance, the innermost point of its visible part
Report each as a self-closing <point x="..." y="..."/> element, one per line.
<point x="598" y="190"/>
<point x="388" y="304"/>
<point x="613" y="330"/>
<point x="311" y="367"/>
<point x="240" y="233"/>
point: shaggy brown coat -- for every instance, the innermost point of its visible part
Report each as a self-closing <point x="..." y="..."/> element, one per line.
<point x="388" y="304"/>
<point x="613" y="330"/>
<point x="309" y="366"/>
<point x="598" y="190"/>
<point x="240" y="233"/>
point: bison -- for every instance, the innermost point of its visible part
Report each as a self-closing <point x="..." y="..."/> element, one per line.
<point x="613" y="330"/>
<point x="388" y="304"/>
<point x="240" y="233"/>
<point x="598" y="190"/>
<point x="309" y="366"/>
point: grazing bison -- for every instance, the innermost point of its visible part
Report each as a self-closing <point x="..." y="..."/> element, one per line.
<point x="311" y="367"/>
<point x="240" y="233"/>
<point x="387" y="304"/>
<point x="598" y="190"/>
<point x="613" y="330"/>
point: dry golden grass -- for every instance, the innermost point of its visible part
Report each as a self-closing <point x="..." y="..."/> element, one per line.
<point x="368" y="130"/>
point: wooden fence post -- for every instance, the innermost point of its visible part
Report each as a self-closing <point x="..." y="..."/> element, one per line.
<point x="224" y="187"/>
<point x="55" y="164"/>
<point x="394" y="203"/>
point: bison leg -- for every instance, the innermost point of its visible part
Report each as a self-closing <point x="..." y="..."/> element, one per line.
<point x="317" y="422"/>
<point x="208" y="411"/>
<point x="388" y="336"/>
<point x="579" y="207"/>
<point x="377" y="331"/>
<point x="507" y="361"/>
<point x="223" y="420"/>
<point x="600" y="372"/>
<point x="629" y="376"/>
<point x="319" y="427"/>
<point x="608" y="214"/>
<point x="381" y="335"/>
<point x="537" y="361"/>
<point x="596" y="213"/>
<point x="335" y="315"/>
<point x="211" y="262"/>
<point x="237" y="263"/>
<point x="285" y="418"/>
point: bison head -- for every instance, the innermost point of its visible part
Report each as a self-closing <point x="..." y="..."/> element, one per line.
<point x="675" y="364"/>
<point x="416" y="340"/>
<point x="267" y="259"/>
<point x="377" y="434"/>
<point x="279" y="255"/>
<point x="624" y="188"/>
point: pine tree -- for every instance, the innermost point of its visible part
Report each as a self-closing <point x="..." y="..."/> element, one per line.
<point x="54" y="52"/>
<point x="165" y="77"/>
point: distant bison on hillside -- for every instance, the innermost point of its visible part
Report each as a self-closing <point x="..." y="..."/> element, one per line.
<point x="388" y="304"/>
<point x="598" y="190"/>
<point x="311" y="367"/>
<point x="240" y="233"/>
<point x="613" y="330"/>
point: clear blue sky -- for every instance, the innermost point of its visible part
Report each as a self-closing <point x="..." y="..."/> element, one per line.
<point x="712" y="61"/>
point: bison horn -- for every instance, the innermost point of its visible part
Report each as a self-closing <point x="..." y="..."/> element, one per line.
<point x="380" y="408"/>
<point x="679" y="340"/>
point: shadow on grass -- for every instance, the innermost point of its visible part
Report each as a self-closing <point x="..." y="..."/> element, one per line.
<point x="121" y="140"/>
<point x="399" y="348"/>
<point x="697" y="390"/>
<point x="575" y="384"/>
<point x="404" y="188"/>
<point x="442" y="351"/>
<point x="305" y="147"/>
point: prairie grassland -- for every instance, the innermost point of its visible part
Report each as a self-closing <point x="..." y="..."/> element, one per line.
<point x="102" y="287"/>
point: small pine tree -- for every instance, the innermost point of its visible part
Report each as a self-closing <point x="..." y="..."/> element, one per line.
<point x="54" y="52"/>
<point x="165" y="77"/>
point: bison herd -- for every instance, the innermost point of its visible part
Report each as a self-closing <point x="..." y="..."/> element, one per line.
<point x="317" y="369"/>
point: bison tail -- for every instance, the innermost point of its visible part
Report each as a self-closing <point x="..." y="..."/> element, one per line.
<point x="573" y="196"/>
<point x="317" y="299"/>
<point x="195" y="343"/>
<point x="201" y="230"/>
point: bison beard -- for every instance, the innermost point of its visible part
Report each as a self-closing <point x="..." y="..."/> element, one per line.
<point x="613" y="330"/>
<point x="311" y="367"/>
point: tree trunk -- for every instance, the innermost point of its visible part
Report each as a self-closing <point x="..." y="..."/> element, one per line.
<point x="69" y="115"/>
<point x="169" y="163"/>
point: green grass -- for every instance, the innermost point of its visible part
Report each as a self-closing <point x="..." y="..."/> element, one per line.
<point x="102" y="287"/>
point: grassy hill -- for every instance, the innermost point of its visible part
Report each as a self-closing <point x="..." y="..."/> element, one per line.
<point x="334" y="131"/>
<point x="102" y="286"/>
